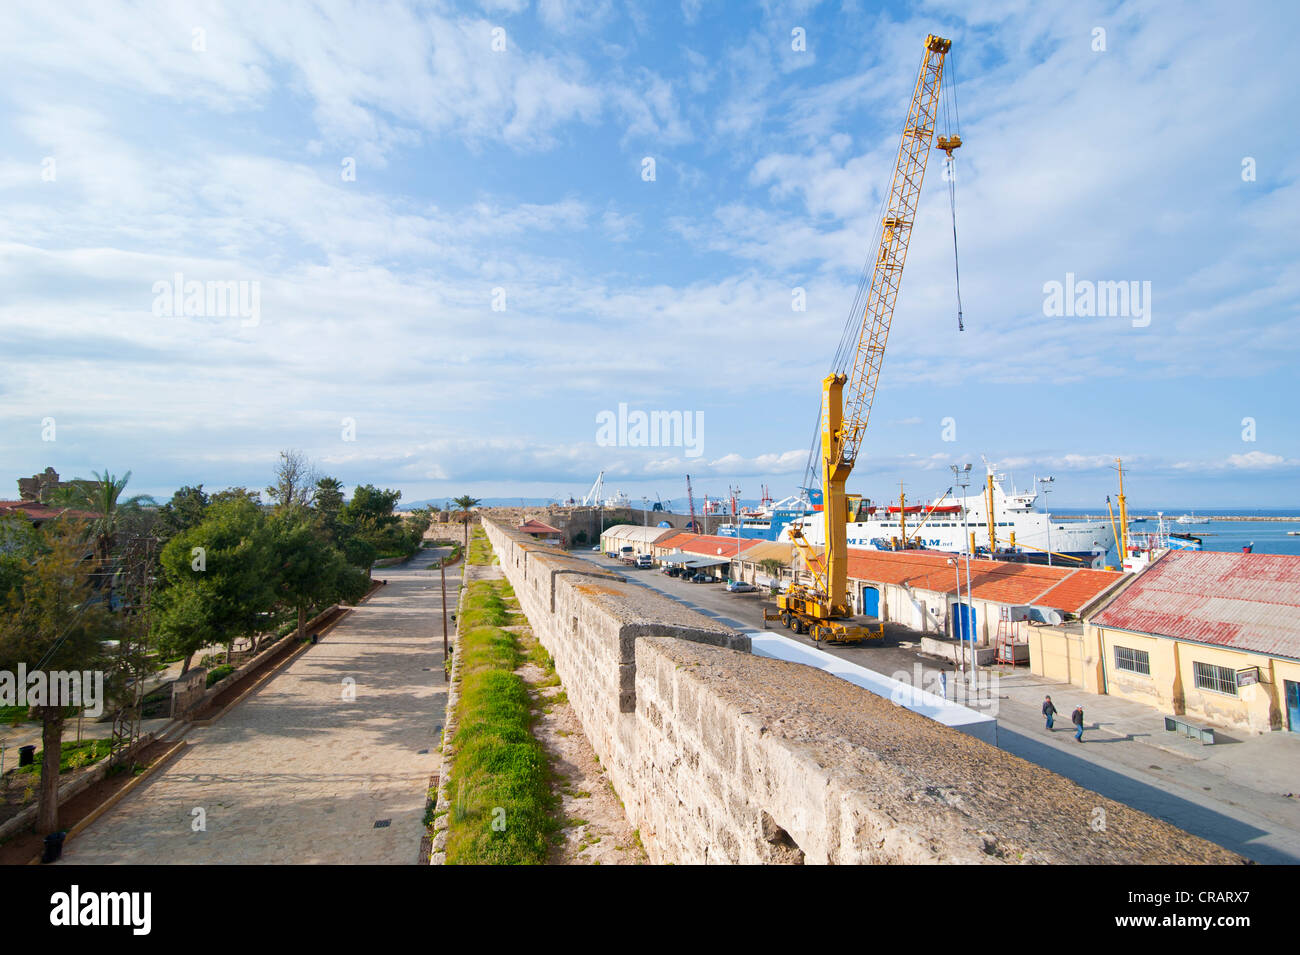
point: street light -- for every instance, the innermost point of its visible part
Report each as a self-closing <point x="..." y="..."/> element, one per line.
<point x="1046" y="483"/>
<point x="955" y="563"/>
<point x="961" y="476"/>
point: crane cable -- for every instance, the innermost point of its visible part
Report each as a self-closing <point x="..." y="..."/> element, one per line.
<point x="950" y="96"/>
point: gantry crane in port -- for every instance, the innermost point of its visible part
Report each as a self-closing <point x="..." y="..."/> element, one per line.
<point x="595" y="495"/>
<point x="690" y="497"/>
<point x="821" y="608"/>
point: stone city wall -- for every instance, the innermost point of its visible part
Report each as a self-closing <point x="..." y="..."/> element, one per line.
<point x="722" y="756"/>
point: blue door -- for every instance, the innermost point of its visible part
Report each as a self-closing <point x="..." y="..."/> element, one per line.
<point x="871" y="601"/>
<point x="1293" y="706"/>
<point x="963" y="620"/>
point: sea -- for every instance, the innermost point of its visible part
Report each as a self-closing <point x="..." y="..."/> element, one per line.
<point x="1219" y="533"/>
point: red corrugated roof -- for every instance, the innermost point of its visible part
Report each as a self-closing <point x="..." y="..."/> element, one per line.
<point x="36" y="511"/>
<point x="1062" y="588"/>
<point x="709" y="546"/>
<point x="675" y="540"/>
<point x="1244" y="601"/>
<point x="531" y="526"/>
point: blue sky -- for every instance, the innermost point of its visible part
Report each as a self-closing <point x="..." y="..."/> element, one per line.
<point x="210" y="140"/>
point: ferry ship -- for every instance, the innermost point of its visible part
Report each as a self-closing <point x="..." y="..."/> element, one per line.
<point x="769" y="521"/>
<point x="1019" y="531"/>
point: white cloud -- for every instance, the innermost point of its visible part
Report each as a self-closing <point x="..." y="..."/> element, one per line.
<point x="377" y="76"/>
<point x="1259" y="460"/>
<point x="618" y="226"/>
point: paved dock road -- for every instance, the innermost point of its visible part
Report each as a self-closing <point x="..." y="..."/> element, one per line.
<point x="299" y="772"/>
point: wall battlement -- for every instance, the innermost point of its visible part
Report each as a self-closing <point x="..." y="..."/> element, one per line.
<point x="722" y="756"/>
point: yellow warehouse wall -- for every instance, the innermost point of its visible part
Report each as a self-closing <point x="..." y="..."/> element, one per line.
<point x="1156" y="690"/>
<point x="1070" y="657"/>
<point x="1172" y="688"/>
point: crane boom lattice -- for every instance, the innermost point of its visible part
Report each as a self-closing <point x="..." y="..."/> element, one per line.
<point x="822" y="606"/>
<point x="895" y="234"/>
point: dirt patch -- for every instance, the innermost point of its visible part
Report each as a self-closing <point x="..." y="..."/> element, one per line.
<point x="595" y="830"/>
<point x="20" y="790"/>
<point x="22" y="848"/>
<point x="593" y="589"/>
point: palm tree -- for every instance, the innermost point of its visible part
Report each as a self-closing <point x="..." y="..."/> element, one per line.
<point x="772" y="567"/>
<point x="102" y="498"/>
<point x="465" y="504"/>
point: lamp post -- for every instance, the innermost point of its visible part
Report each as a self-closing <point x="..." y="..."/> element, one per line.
<point x="1045" y="484"/>
<point x="955" y="563"/>
<point x="961" y="477"/>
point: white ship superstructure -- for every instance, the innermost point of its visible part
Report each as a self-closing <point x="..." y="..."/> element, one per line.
<point x="1020" y="531"/>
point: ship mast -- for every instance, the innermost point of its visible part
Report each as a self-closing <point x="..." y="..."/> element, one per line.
<point x="1123" y="516"/>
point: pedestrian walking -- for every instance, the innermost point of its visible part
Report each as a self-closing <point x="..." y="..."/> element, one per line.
<point x="1077" y="719"/>
<point x="1049" y="710"/>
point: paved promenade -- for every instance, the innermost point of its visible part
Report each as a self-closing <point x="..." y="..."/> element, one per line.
<point x="299" y="772"/>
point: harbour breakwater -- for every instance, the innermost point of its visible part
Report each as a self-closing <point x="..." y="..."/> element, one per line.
<point x="1172" y="522"/>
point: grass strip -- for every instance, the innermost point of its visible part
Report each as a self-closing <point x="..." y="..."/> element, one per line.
<point x="502" y="808"/>
<point x="73" y="755"/>
<point x="480" y="551"/>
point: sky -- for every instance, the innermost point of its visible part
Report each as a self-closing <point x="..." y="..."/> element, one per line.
<point x="437" y="246"/>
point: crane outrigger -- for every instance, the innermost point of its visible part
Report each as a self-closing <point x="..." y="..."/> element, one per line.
<point x="821" y="608"/>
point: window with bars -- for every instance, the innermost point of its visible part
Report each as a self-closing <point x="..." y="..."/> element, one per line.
<point x="1134" y="661"/>
<point x="1216" y="678"/>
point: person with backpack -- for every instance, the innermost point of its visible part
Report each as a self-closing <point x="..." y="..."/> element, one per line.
<point x="1049" y="711"/>
<point x="1077" y="719"/>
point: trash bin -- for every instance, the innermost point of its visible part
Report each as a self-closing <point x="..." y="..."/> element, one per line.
<point x="315" y="638"/>
<point x="53" y="847"/>
<point x="26" y="755"/>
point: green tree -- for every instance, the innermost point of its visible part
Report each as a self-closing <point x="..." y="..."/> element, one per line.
<point x="53" y="620"/>
<point x="360" y="553"/>
<point x="236" y="493"/>
<point x="418" y="523"/>
<point x="465" y="504"/>
<point x="186" y="509"/>
<point x="328" y="503"/>
<point x="218" y="578"/>
<point x="308" y="570"/>
<point x="17" y="538"/>
<point x="183" y="621"/>
<point x="369" y="516"/>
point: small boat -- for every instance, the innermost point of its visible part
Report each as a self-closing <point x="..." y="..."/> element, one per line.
<point x="1192" y="519"/>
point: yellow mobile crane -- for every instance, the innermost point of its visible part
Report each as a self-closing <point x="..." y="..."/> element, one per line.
<point x="822" y="608"/>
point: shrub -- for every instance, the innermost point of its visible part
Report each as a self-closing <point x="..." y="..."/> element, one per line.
<point x="216" y="674"/>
